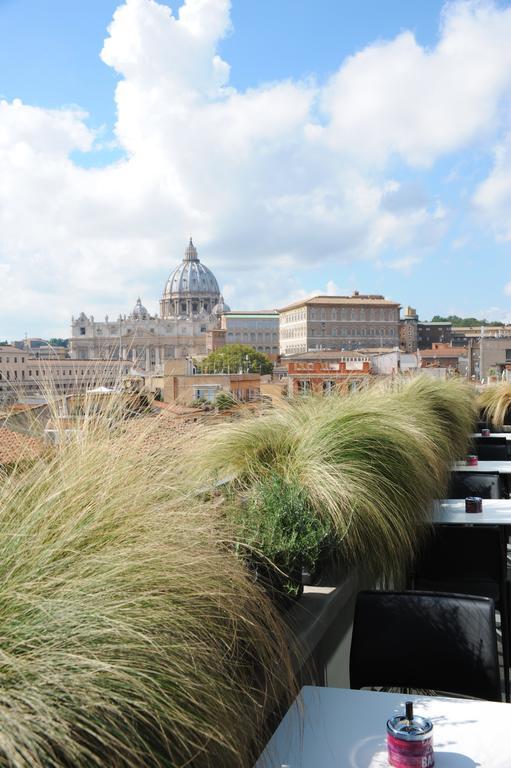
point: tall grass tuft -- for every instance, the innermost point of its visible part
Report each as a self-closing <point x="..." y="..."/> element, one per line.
<point x="367" y="464"/>
<point x="130" y="634"/>
<point x="495" y="403"/>
<point x="446" y="406"/>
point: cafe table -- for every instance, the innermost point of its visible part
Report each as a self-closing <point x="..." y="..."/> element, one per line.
<point x="341" y="728"/>
<point x="495" y="512"/>
<point x="501" y="467"/>
<point x="507" y="435"/>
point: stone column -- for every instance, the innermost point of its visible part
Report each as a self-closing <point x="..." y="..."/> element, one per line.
<point x="147" y="359"/>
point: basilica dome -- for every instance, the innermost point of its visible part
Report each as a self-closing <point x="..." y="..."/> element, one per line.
<point x="191" y="289"/>
<point x="139" y="311"/>
<point x="221" y="307"/>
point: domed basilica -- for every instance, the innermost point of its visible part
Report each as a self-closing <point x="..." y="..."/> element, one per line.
<point x="190" y="308"/>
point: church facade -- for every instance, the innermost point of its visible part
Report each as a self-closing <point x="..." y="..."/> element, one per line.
<point x="190" y="308"/>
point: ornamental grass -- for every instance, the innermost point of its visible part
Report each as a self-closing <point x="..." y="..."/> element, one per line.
<point x="495" y="403"/>
<point x="130" y="634"/>
<point x="368" y="463"/>
<point x="451" y="409"/>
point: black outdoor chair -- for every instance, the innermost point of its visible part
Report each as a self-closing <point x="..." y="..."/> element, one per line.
<point x="487" y="485"/>
<point x="425" y="641"/>
<point x="491" y="448"/>
<point x="470" y="560"/>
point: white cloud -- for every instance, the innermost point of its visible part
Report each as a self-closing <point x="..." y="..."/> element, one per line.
<point x="270" y="180"/>
<point x="398" y="98"/>
<point x="493" y="196"/>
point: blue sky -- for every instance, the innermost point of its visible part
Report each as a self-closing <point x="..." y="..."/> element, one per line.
<point x="325" y="146"/>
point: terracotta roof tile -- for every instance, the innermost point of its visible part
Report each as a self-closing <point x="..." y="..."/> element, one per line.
<point x="15" y="446"/>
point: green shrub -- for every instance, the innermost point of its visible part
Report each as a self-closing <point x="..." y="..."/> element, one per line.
<point x="199" y="402"/>
<point x="275" y="520"/>
<point x="224" y="401"/>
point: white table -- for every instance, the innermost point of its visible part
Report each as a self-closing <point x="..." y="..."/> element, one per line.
<point x="495" y="512"/>
<point x="340" y="728"/>
<point x="502" y="467"/>
<point x="507" y="435"/>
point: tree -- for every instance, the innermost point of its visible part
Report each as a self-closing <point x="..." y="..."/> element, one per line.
<point x="58" y="342"/>
<point x="236" y="358"/>
<point x="464" y="322"/>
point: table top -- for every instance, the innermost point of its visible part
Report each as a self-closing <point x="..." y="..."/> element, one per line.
<point x="507" y="435"/>
<point x="330" y="727"/>
<point x="502" y="467"/>
<point x="495" y="512"/>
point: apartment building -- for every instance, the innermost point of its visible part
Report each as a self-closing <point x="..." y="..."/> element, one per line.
<point x="24" y="376"/>
<point x="433" y="333"/>
<point x="338" y="322"/>
<point x="259" y="329"/>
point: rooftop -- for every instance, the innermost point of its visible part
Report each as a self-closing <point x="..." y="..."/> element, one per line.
<point x="15" y="446"/>
<point x="325" y="354"/>
<point x="356" y="300"/>
<point x="443" y="352"/>
<point x="252" y="313"/>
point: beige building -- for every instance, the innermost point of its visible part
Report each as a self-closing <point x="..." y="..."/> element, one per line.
<point x="495" y="357"/>
<point x="23" y="376"/>
<point x="189" y="309"/>
<point x="182" y="385"/>
<point x="258" y="329"/>
<point x="338" y="322"/>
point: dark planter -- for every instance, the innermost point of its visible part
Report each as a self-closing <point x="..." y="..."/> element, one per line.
<point x="329" y="569"/>
<point x="283" y="589"/>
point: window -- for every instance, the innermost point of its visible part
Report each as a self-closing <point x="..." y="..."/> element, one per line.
<point x="334" y="314"/>
<point x="82" y="331"/>
<point x="323" y="314"/>
<point x="313" y="314"/>
<point x="508" y="355"/>
<point x="15" y="359"/>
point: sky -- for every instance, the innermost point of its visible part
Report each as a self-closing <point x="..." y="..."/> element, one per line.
<point x="308" y="147"/>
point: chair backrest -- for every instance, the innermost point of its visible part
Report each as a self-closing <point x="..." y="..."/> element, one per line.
<point x="463" y="552"/>
<point x="491" y="448"/>
<point x="487" y="485"/>
<point x="425" y="640"/>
